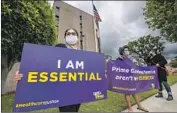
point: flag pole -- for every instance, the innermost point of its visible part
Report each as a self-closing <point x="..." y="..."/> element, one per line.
<point x="93" y="10"/>
<point x="94" y="27"/>
<point x="97" y="29"/>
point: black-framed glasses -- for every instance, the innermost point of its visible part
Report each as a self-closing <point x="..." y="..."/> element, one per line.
<point x="71" y="33"/>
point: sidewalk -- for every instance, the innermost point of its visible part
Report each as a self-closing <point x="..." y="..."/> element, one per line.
<point x="159" y="104"/>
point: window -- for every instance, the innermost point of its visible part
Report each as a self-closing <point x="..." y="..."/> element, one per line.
<point x="57" y="8"/>
<point x="80" y="17"/>
<point x="80" y="25"/>
<point x="57" y="18"/>
<point x="57" y="22"/>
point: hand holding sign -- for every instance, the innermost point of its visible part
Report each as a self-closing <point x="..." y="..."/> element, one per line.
<point x="18" y="76"/>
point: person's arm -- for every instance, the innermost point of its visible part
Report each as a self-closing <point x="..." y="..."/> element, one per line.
<point x="119" y="58"/>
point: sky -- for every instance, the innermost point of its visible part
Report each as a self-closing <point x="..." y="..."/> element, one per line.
<point x="122" y="21"/>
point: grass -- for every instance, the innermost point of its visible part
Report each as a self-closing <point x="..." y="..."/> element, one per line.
<point x="114" y="103"/>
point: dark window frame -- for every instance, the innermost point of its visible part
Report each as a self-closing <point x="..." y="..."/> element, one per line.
<point x="80" y="17"/>
<point x="57" y="7"/>
<point x="56" y="16"/>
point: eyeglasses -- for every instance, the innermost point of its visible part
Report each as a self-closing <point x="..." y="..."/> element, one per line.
<point x="70" y="33"/>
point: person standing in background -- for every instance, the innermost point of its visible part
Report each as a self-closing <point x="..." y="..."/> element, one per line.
<point x="160" y="61"/>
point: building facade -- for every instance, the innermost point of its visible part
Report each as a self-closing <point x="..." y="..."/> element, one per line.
<point x="68" y="16"/>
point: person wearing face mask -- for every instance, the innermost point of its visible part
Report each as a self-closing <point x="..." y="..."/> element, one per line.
<point x="71" y="40"/>
<point x="124" y="52"/>
<point x="160" y="61"/>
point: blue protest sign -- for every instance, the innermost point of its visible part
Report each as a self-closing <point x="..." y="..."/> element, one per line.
<point x="127" y="78"/>
<point x="55" y="77"/>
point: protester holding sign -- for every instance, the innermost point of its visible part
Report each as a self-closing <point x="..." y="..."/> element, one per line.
<point x="124" y="52"/>
<point x="71" y="108"/>
<point x="71" y="38"/>
<point x="160" y="61"/>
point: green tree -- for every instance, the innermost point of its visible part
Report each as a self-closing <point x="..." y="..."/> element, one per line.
<point x="162" y="15"/>
<point x="174" y="63"/>
<point x="144" y="45"/>
<point x="25" y="22"/>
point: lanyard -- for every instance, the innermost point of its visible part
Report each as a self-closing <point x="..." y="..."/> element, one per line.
<point x="71" y="46"/>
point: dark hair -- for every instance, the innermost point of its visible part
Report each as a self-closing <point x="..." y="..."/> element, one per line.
<point x="61" y="45"/>
<point x="121" y="49"/>
<point x="71" y="29"/>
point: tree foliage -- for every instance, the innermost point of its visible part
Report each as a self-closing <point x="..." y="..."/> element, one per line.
<point x="144" y="45"/>
<point x="174" y="63"/>
<point x="162" y="15"/>
<point x="26" y="22"/>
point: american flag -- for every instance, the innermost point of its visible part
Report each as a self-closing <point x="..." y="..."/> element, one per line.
<point x="96" y="15"/>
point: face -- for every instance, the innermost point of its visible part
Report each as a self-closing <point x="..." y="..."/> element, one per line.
<point x="71" y="37"/>
<point x="126" y="52"/>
